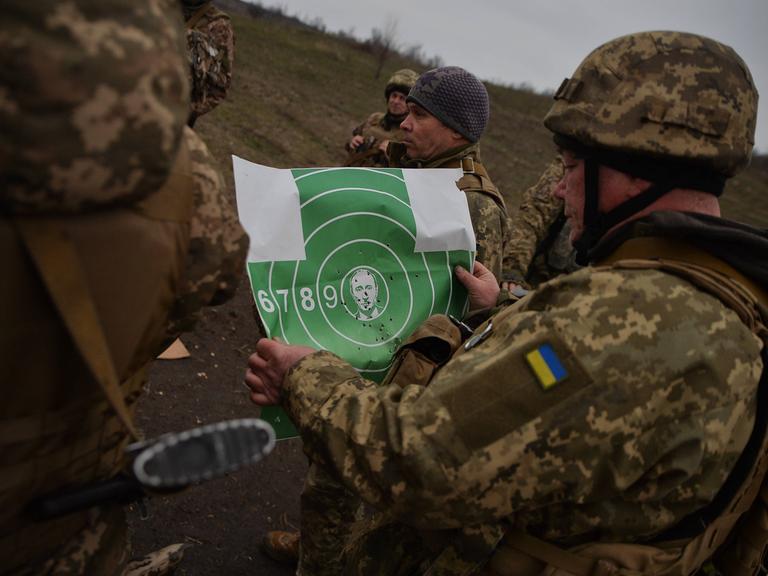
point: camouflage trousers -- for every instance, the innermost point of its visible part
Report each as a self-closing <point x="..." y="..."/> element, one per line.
<point x="398" y="549"/>
<point x="337" y="538"/>
<point x="339" y="535"/>
<point x="328" y="513"/>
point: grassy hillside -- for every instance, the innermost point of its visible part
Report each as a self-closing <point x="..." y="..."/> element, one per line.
<point x="298" y="92"/>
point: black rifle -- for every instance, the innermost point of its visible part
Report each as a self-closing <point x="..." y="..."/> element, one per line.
<point x="166" y="464"/>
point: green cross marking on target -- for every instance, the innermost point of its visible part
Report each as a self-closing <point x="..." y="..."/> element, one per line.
<point x="362" y="285"/>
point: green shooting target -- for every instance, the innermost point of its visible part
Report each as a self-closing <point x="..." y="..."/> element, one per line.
<point x="348" y="272"/>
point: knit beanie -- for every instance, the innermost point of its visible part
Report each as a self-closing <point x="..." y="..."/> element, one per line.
<point x="455" y="97"/>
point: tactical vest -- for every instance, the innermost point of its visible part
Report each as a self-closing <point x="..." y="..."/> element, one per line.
<point x="475" y="178"/>
<point x="374" y="131"/>
<point x="732" y="532"/>
<point x="83" y="306"/>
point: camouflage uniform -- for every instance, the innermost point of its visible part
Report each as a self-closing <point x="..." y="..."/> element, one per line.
<point x="377" y="128"/>
<point x="380" y="126"/>
<point x="611" y="405"/>
<point x="211" y="50"/>
<point x="329" y="510"/>
<point x="539" y="248"/>
<point x="94" y="235"/>
<point x="486" y="205"/>
<point x="657" y="406"/>
<point x="218" y="244"/>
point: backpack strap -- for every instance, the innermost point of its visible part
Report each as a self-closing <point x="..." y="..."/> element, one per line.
<point x="58" y="264"/>
<point x="199" y="13"/>
<point x="668" y="251"/>
<point x="476" y="179"/>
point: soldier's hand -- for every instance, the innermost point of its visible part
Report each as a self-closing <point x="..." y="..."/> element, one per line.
<point x="516" y="290"/>
<point x="481" y="284"/>
<point x="356" y="141"/>
<point x="267" y="368"/>
<point x="383" y="146"/>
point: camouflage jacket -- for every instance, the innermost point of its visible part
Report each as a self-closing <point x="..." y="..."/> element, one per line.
<point x="211" y="49"/>
<point x="648" y="402"/>
<point x="539" y="248"/>
<point x="486" y="204"/>
<point x="379" y="127"/>
<point x="218" y="244"/>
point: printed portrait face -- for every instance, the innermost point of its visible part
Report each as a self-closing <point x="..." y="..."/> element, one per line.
<point x="364" y="289"/>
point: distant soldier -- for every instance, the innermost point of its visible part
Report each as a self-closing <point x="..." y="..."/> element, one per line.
<point x="211" y="45"/>
<point x="368" y="145"/>
<point x="539" y="248"/>
<point x="448" y="112"/>
<point x="99" y="217"/>
<point x="219" y="244"/>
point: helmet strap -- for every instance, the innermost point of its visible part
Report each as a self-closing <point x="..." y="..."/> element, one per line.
<point x="592" y="226"/>
<point x="596" y="223"/>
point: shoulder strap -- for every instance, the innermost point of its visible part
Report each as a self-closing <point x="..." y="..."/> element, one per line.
<point x="58" y="264"/>
<point x="662" y="249"/>
<point x="199" y="13"/>
<point x="476" y="179"/>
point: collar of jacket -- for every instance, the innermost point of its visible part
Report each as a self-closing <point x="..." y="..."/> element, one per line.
<point x="390" y="122"/>
<point x="448" y="159"/>
<point x="743" y="247"/>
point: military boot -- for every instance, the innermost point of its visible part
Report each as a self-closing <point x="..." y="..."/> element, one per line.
<point x="282" y="546"/>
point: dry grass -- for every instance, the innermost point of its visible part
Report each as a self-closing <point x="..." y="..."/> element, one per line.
<point x="297" y="93"/>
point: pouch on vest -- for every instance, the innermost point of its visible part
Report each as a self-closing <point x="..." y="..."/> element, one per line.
<point x="430" y="346"/>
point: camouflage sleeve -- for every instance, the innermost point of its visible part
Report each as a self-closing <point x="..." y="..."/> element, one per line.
<point x="369" y="126"/>
<point x="212" y="54"/>
<point x="650" y="415"/>
<point x="529" y="225"/>
<point x="491" y="229"/>
<point x="357" y="131"/>
<point x="218" y="243"/>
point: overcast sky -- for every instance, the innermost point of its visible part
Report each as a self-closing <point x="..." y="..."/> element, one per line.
<point x="540" y="42"/>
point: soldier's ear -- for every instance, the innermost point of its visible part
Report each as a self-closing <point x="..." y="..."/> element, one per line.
<point x="458" y="138"/>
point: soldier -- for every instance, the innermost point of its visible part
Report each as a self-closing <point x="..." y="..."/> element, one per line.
<point x="218" y="244"/>
<point x="447" y="114"/>
<point x="211" y="50"/>
<point x="613" y="421"/>
<point x="368" y="145"/>
<point x="539" y="248"/>
<point x="100" y="217"/>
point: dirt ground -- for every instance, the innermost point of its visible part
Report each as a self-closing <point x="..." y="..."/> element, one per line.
<point x="224" y="519"/>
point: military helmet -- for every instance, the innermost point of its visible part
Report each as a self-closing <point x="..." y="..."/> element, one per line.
<point x="666" y="95"/>
<point x="402" y="81"/>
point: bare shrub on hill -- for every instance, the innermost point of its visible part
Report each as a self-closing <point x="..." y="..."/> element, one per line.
<point x="383" y="43"/>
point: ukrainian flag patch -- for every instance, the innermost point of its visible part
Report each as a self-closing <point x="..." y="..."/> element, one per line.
<point x="546" y="366"/>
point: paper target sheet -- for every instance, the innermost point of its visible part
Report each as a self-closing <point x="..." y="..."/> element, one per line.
<point x="352" y="260"/>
